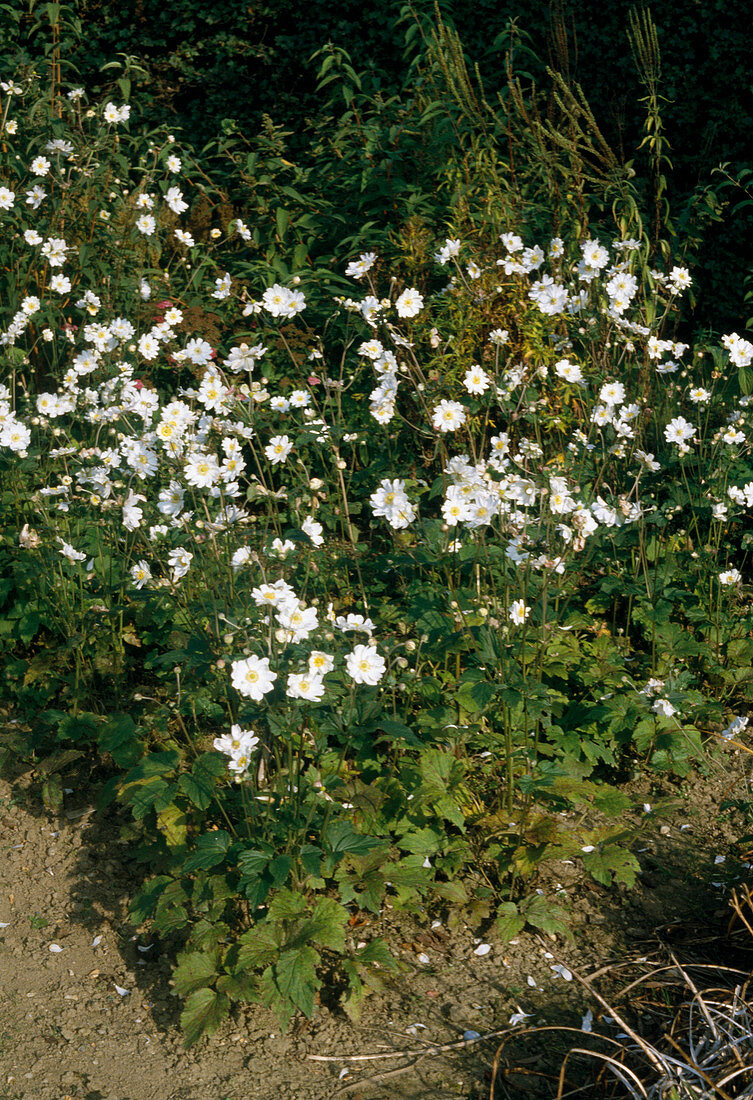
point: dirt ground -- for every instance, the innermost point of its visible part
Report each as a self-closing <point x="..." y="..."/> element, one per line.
<point x="88" y="1012"/>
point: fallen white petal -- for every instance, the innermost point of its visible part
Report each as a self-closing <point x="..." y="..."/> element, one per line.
<point x="3" y="924"/>
<point x="96" y="941"/>
<point x="423" y="958"/>
<point x="588" y="1020"/>
<point x="532" y="982"/>
<point x="519" y="1016"/>
<point x="482" y="949"/>
<point x="55" y="948"/>
<point x="436" y="924"/>
<point x="719" y="859"/>
<point x="468" y="1035"/>
<point x="342" y="1073"/>
<point x="563" y="972"/>
<point x="119" y="989"/>
<point x="148" y="947"/>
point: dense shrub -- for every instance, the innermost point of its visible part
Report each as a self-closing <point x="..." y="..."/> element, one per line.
<point x="359" y="572"/>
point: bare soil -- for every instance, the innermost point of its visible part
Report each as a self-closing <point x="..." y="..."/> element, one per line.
<point x="89" y="1013"/>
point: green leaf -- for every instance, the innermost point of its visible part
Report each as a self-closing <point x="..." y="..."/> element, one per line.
<point x="327" y="924"/>
<point x="612" y="862"/>
<point x="509" y="921"/>
<point x="287" y="905"/>
<point x="194" y="971"/>
<point x="210" y="850"/>
<point x="453" y="891"/>
<point x="377" y="952"/>
<point x="295" y="976"/>
<point x="253" y="861"/>
<point x="142" y="796"/>
<point x="282" y="219"/>
<point x="155" y="763"/>
<point x="198" y="792"/>
<point x="422" y="842"/>
<point x="52" y="793"/>
<point x="58" y="761"/>
<point x="239" y="986"/>
<point x="119" y="739"/>
<point x="172" y="823"/>
<point x="259" y="946"/>
<point x="399" y="731"/>
<point x="340" y="837"/>
<point x="204" y="1012"/>
<point x="143" y="905"/>
<point x="544" y="914"/>
<point x="279" y="868"/>
<point x="311" y="860"/>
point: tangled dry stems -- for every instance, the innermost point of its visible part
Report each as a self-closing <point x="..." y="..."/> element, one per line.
<point x="706" y="1052"/>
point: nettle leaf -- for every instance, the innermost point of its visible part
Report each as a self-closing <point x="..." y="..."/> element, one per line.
<point x="259" y="947"/>
<point x="340" y="837"/>
<point x="119" y="739"/>
<point x="209" y="766"/>
<point x="612" y="862"/>
<point x="509" y="921"/>
<point x="377" y="953"/>
<point x="610" y="800"/>
<point x="204" y="1012"/>
<point x="143" y="905"/>
<point x="172" y="823"/>
<point x="170" y="913"/>
<point x="295" y="976"/>
<point x="545" y="915"/>
<point x="453" y="891"/>
<point x="194" y="971"/>
<point x="199" y="793"/>
<point x="155" y="764"/>
<point x="474" y="697"/>
<point x="399" y="731"/>
<point x="311" y="860"/>
<point x="253" y="861"/>
<point x="142" y="796"/>
<point x="210" y="850"/>
<point x="279" y="869"/>
<point x="287" y="905"/>
<point x="239" y="986"/>
<point x="52" y="793"/>
<point x="423" y="842"/>
<point x="327" y="924"/>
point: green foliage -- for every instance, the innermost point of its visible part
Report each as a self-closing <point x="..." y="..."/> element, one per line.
<point x="341" y="646"/>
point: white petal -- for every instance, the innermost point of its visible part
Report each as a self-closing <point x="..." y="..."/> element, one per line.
<point x="482" y="949"/>
<point x="119" y="989"/>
